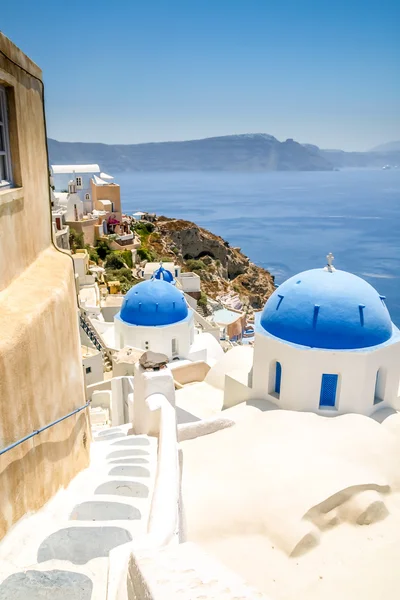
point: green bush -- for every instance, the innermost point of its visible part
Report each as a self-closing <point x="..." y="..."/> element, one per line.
<point x="92" y="253"/>
<point x="124" y="276"/>
<point x="143" y="227"/>
<point x="76" y="240"/>
<point x="113" y="261"/>
<point x="127" y="258"/>
<point x="145" y="254"/>
<point x="202" y="301"/>
<point x="195" y="265"/>
<point x="103" y="249"/>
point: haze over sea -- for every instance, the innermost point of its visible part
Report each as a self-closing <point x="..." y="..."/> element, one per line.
<point x="287" y="222"/>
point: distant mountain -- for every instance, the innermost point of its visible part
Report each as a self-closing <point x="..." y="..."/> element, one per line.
<point x="246" y="152"/>
<point x="389" y="147"/>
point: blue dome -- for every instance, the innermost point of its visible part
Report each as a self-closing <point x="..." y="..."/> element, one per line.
<point x="327" y="309"/>
<point x="163" y="274"/>
<point x="152" y="303"/>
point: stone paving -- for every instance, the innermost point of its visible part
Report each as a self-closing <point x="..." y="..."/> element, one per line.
<point x="61" y="552"/>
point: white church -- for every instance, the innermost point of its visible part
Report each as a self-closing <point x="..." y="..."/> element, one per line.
<point x="155" y="315"/>
<point x="325" y="343"/>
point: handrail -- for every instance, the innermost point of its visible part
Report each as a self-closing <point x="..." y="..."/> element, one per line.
<point x="37" y="431"/>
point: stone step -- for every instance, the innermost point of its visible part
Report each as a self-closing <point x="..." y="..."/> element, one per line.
<point x="62" y="551"/>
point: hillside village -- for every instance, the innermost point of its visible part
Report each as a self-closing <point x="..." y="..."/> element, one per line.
<point x="171" y="425"/>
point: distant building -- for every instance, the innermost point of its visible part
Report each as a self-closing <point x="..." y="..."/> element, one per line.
<point x="81" y="175"/>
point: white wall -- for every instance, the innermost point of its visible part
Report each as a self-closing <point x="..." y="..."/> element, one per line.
<point x="190" y="282"/>
<point x="159" y="339"/>
<point x="94" y="362"/>
<point x="74" y="200"/>
<point x="302" y="370"/>
<point x="81" y="263"/>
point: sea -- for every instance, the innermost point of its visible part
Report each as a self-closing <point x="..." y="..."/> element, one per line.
<point x="288" y="222"/>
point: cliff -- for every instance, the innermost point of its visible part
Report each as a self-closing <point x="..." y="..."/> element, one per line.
<point x="249" y="152"/>
<point x="221" y="268"/>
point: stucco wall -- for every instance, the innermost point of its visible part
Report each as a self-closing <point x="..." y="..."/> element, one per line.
<point x="110" y="192"/>
<point x="302" y="370"/>
<point x="159" y="339"/>
<point x="25" y="224"/>
<point x="41" y="375"/>
<point x="86" y="227"/>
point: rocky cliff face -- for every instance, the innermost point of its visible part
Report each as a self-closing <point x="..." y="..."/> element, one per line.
<point x="221" y="267"/>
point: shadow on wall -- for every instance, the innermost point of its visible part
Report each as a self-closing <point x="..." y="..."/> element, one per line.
<point x="21" y="476"/>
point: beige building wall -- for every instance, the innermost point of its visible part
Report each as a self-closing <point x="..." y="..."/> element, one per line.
<point x="87" y="227"/>
<point x="41" y="376"/>
<point x="112" y="192"/>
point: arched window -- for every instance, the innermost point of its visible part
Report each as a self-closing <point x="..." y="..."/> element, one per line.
<point x="379" y="387"/>
<point x="328" y="390"/>
<point x="87" y="196"/>
<point x="278" y="377"/>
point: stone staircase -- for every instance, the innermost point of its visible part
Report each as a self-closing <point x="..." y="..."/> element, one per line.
<point x="62" y="551"/>
<point x="96" y="341"/>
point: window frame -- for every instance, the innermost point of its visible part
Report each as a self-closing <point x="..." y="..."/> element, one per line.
<point x="78" y="185"/>
<point x="4" y="126"/>
<point x="325" y="378"/>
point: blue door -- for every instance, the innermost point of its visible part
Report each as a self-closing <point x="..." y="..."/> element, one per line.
<point x="278" y="376"/>
<point x="328" y="390"/>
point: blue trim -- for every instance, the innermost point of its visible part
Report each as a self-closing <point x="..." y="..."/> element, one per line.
<point x="259" y="330"/>
<point x="328" y="310"/>
<point x="328" y="390"/>
<point x="278" y="377"/>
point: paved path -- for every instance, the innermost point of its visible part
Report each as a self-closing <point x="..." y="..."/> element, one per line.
<point x="61" y="552"/>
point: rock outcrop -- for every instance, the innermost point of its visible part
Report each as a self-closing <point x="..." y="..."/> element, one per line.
<point x="221" y="267"/>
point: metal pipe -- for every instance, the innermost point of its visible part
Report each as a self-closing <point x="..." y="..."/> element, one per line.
<point x="37" y="431"/>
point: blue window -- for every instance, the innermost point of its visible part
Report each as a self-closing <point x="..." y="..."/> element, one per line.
<point x="278" y="377"/>
<point x="328" y="390"/>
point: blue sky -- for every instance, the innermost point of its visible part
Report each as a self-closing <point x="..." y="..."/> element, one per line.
<point x="129" y="71"/>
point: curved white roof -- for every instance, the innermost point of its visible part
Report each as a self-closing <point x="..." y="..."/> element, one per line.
<point x="75" y="168"/>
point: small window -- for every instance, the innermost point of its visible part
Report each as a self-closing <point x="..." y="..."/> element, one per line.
<point x="278" y="377"/>
<point x="174" y="347"/>
<point x="328" y="391"/>
<point x="176" y="272"/>
<point x="87" y="196"/>
<point x="88" y="370"/>
<point x="79" y="182"/>
<point x="5" y="154"/>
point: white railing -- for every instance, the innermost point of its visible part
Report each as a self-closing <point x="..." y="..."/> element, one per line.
<point x="165" y="517"/>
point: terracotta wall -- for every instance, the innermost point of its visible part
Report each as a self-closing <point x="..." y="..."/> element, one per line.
<point x="41" y="375"/>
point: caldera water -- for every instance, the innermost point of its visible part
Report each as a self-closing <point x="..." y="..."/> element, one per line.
<point x="288" y="222"/>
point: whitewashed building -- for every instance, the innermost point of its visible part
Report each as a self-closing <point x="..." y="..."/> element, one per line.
<point x="325" y="343"/>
